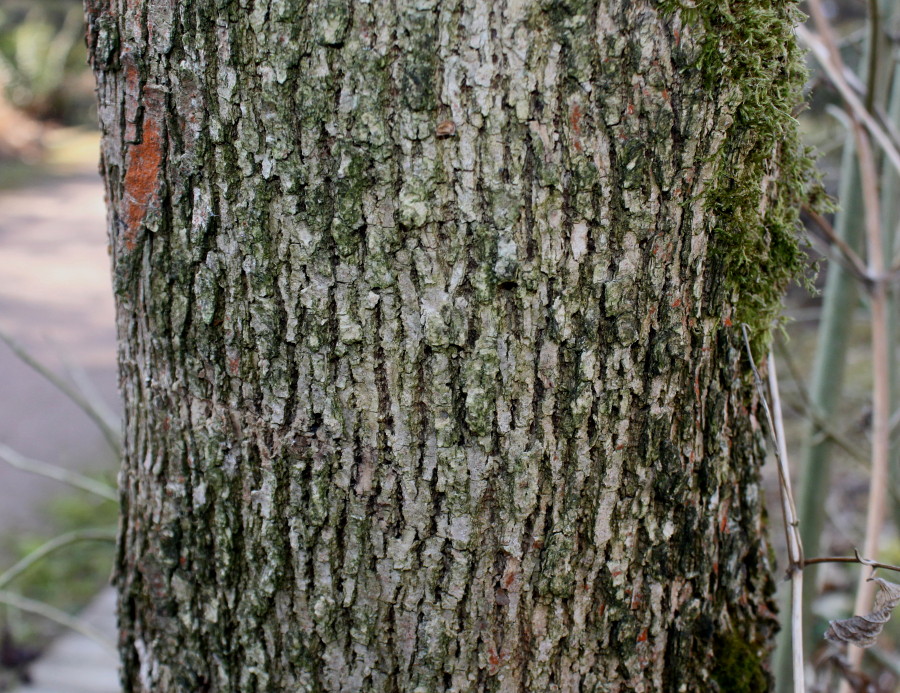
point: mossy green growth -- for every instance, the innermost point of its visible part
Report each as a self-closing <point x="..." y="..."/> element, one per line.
<point x="738" y="668"/>
<point x="764" y="173"/>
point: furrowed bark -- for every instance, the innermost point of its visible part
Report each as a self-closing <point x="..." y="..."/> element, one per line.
<point x="425" y="316"/>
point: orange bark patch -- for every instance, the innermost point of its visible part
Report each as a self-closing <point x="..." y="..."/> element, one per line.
<point x="723" y="521"/>
<point x="575" y="118"/>
<point x="493" y="661"/>
<point x="575" y="121"/>
<point x="142" y="179"/>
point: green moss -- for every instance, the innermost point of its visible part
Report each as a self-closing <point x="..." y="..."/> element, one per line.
<point x="738" y="668"/>
<point x="749" y="46"/>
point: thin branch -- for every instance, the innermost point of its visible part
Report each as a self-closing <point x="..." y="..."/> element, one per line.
<point x="824" y="247"/>
<point x="857" y="266"/>
<point x="835" y="74"/>
<point x="82" y="381"/>
<point x="849" y="559"/>
<point x="53" y="545"/>
<point x="51" y="471"/>
<point x="794" y="543"/>
<point x="824" y="432"/>
<point x="57" y="616"/>
<point x="108" y="431"/>
<point x="807" y="409"/>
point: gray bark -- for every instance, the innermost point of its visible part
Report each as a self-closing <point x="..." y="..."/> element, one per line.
<point x="427" y="358"/>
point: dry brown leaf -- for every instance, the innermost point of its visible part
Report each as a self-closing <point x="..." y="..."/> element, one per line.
<point x="863" y="630"/>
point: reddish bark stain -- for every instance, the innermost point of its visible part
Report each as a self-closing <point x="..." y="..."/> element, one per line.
<point x="575" y="121"/>
<point x="575" y="118"/>
<point x="493" y="661"/>
<point x="643" y="636"/>
<point x="728" y="322"/>
<point x="142" y="179"/>
<point x="234" y="366"/>
<point x="676" y="303"/>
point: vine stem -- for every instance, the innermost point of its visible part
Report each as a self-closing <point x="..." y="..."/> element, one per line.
<point x="789" y="509"/>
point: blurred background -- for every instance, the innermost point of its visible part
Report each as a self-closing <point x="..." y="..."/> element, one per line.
<point x="56" y="307"/>
<point x="56" y="312"/>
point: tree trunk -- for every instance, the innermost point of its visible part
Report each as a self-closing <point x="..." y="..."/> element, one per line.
<point x="428" y="339"/>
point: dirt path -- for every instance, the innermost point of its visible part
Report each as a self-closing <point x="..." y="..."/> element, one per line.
<point x="55" y="298"/>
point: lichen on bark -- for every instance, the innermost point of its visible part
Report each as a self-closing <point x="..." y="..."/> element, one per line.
<point x="413" y="406"/>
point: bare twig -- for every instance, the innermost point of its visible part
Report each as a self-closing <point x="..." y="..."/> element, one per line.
<point x="54" y="545"/>
<point x="56" y="615"/>
<point x="824" y="246"/>
<point x="794" y="543"/>
<point x="109" y="432"/>
<point x="857" y="266"/>
<point x="835" y="73"/>
<point x="80" y="481"/>
<point x="850" y="559"/>
<point x="823" y="427"/>
<point x="88" y="390"/>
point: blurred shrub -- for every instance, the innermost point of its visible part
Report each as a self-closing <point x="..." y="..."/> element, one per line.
<point x="43" y="61"/>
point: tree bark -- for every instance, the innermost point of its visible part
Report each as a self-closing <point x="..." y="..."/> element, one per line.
<point x="428" y="339"/>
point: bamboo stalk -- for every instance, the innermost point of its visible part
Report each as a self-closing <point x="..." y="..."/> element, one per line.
<point x="881" y="374"/>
